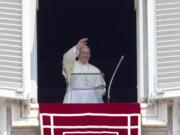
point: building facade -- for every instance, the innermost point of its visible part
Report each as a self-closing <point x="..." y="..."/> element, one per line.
<point x="158" y="66"/>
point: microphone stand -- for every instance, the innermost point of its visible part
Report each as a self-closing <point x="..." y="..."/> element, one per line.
<point x="109" y="88"/>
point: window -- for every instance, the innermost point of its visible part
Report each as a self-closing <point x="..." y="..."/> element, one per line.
<point x="111" y="29"/>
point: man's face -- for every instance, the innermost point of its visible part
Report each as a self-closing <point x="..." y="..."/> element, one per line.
<point x="84" y="55"/>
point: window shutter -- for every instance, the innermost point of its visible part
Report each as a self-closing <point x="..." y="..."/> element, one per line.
<point x="11" y="75"/>
<point x="167" y="16"/>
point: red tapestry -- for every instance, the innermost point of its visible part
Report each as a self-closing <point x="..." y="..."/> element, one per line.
<point x="90" y="119"/>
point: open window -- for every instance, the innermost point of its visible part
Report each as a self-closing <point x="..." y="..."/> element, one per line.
<point x="111" y="29"/>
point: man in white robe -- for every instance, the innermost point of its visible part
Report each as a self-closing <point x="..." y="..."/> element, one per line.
<point x="80" y="73"/>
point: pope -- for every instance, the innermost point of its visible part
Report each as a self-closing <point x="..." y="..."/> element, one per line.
<point x="80" y="74"/>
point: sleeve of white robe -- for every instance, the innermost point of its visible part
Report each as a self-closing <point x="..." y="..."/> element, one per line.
<point x="101" y="83"/>
<point x="68" y="61"/>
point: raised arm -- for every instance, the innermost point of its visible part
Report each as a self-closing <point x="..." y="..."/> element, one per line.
<point x="70" y="56"/>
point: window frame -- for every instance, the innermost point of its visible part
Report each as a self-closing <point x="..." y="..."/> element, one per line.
<point x="154" y="112"/>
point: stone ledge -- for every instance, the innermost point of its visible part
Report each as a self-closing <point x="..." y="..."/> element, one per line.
<point x="154" y="124"/>
<point x="26" y="123"/>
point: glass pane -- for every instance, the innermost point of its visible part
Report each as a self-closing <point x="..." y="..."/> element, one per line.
<point x="87" y="81"/>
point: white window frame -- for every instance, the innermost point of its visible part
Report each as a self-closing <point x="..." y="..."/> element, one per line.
<point x="151" y="36"/>
<point x="142" y="59"/>
<point x="154" y="112"/>
<point x="30" y="48"/>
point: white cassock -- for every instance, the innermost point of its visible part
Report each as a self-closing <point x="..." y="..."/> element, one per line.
<point x="71" y="66"/>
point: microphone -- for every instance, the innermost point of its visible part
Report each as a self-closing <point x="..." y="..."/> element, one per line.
<point x="109" y="88"/>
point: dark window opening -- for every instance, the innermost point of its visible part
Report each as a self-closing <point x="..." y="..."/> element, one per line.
<point x="111" y="29"/>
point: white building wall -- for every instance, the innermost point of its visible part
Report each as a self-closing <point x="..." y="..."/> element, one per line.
<point x="19" y="117"/>
<point x="159" y="115"/>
